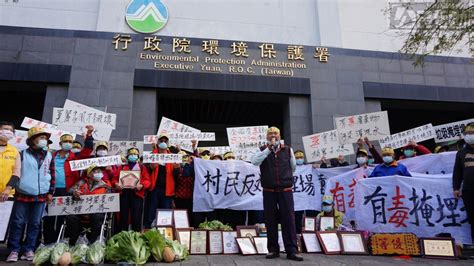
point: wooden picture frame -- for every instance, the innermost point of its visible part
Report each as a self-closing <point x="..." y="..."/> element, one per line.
<point x="229" y="243"/>
<point x="352" y="243"/>
<point x="167" y="232"/>
<point x="260" y="243"/>
<point x="198" y="242"/>
<point x="325" y="223"/>
<point x="183" y="235"/>
<point x="247" y="231"/>
<point x="164" y="217"/>
<point x="216" y="245"/>
<point x="311" y="242"/>
<point x="438" y="248"/>
<point x="246" y="246"/>
<point x="309" y="224"/>
<point x="181" y="218"/>
<point x="329" y="242"/>
<point x="129" y="179"/>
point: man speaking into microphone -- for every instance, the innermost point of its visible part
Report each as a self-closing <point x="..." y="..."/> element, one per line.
<point x="277" y="164"/>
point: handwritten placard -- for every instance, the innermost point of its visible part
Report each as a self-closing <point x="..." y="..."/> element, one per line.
<point x="19" y="141"/>
<point x="77" y="114"/>
<point x="325" y="144"/>
<point x="30" y="122"/>
<point x="246" y="141"/>
<point x="188" y="136"/>
<point x="99" y="161"/>
<point x="451" y="131"/>
<point x="372" y="125"/>
<point x="401" y="139"/>
<point x="162" y="158"/>
<point x="121" y="147"/>
<point x="168" y="126"/>
<point x="85" y="205"/>
<point x="217" y="149"/>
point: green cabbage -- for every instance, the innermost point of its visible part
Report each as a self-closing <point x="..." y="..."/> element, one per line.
<point x="127" y="246"/>
<point x="58" y="251"/>
<point x="180" y="250"/>
<point x="42" y="255"/>
<point x="78" y="253"/>
<point x="96" y="253"/>
<point x="215" y="225"/>
<point x="156" y="243"/>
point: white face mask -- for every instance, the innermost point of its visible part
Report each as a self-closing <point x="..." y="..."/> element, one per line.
<point x="76" y="150"/>
<point x="102" y="153"/>
<point x="6" y="134"/>
<point x="42" y="143"/>
<point x="388" y="159"/>
<point x="469" y="138"/>
<point x="361" y="160"/>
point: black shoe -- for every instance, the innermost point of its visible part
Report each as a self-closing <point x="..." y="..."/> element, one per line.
<point x="273" y="255"/>
<point x="294" y="257"/>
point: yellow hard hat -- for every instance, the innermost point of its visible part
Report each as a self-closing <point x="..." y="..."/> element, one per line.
<point x="66" y="137"/>
<point x="273" y="130"/>
<point x="36" y="131"/>
<point x="388" y="150"/>
<point x="91" y="168"/>
<point x="102" y="143"/>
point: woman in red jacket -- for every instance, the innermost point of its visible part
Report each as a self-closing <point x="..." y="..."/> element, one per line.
<point x="131" y="199"/>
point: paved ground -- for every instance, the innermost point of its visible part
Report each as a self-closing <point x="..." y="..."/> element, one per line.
<point x="309" y="259"/>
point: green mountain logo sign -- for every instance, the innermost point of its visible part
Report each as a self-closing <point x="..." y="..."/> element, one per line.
<point x="146" y="16"/>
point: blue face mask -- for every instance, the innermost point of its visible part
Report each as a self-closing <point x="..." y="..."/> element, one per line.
<point x="370" y="161"/>
<point x="67" y="146"/>
<point x="163" y="145"/>
<point x="409" y="153"/>
<point x="387" y="159"/>
<point x="299" y="161"/>
<point x="327" y="208"/>
<point x="133" y="158"/>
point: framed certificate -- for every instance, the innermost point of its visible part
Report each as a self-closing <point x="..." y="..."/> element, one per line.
<point x="181" y="219"/>
<point x="311" y="242"/>
<point x="198" y="244"/>
<point x="246" y="246"/>
<point x="164" y="217"/>
<point x="309" y="224"/>
<point x="330" y="242"/>
<point x="215" y="242"/>
<point x="129" y="179"/>
<point x="326" y="223"/>
<point x="260" y="244"/>
<point x="438" y="248"/>
<point x="229" y="243"/>
<point x="166" y="231"/>
<point x="183" y="235"/>
<point x="247" y="231"/>
<point x="352" y="243"/>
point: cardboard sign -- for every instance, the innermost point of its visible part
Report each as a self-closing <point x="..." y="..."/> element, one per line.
<point x="325" y="144"/>
<point x="246" y="141"/>
<point x="162" y="158"/>
<point x="451" y="131"/>
<point x="401" y="139"/>
<point x="99" y="161"/>
<point x="87" y="204"/>
<point x="372" y="125"/>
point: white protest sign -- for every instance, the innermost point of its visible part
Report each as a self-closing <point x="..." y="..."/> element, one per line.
<point x="98" y="134"/>
<point x="433" y="163"/>
<point x="188" y="136"/>
<point x="168" y="126"/>
<point x="30" y="122"/>
<point x="5" y="213"/>
<point x="401" y="139"/>
<point x="77" y="165"/>
<point x="425" y="206"/>
<point x="451" y="131"/>
<point x="342" y="187"/>
<point x="87" y="204"/>
<point x="217" y="149"/>
<point x="77" y="114"/>
<point x="121" y="147"/>
<point x="162" y="158"/>
<point x="307" y="193"/>
<point x="246" y="141"/>
<point x="372" y="125"/>
<point x="226" y="185"/>
<point x="325" y="144"/>
<point x="19" y="141"/>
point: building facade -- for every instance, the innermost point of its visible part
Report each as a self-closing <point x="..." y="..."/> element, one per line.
<point x="294" y="64"/>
